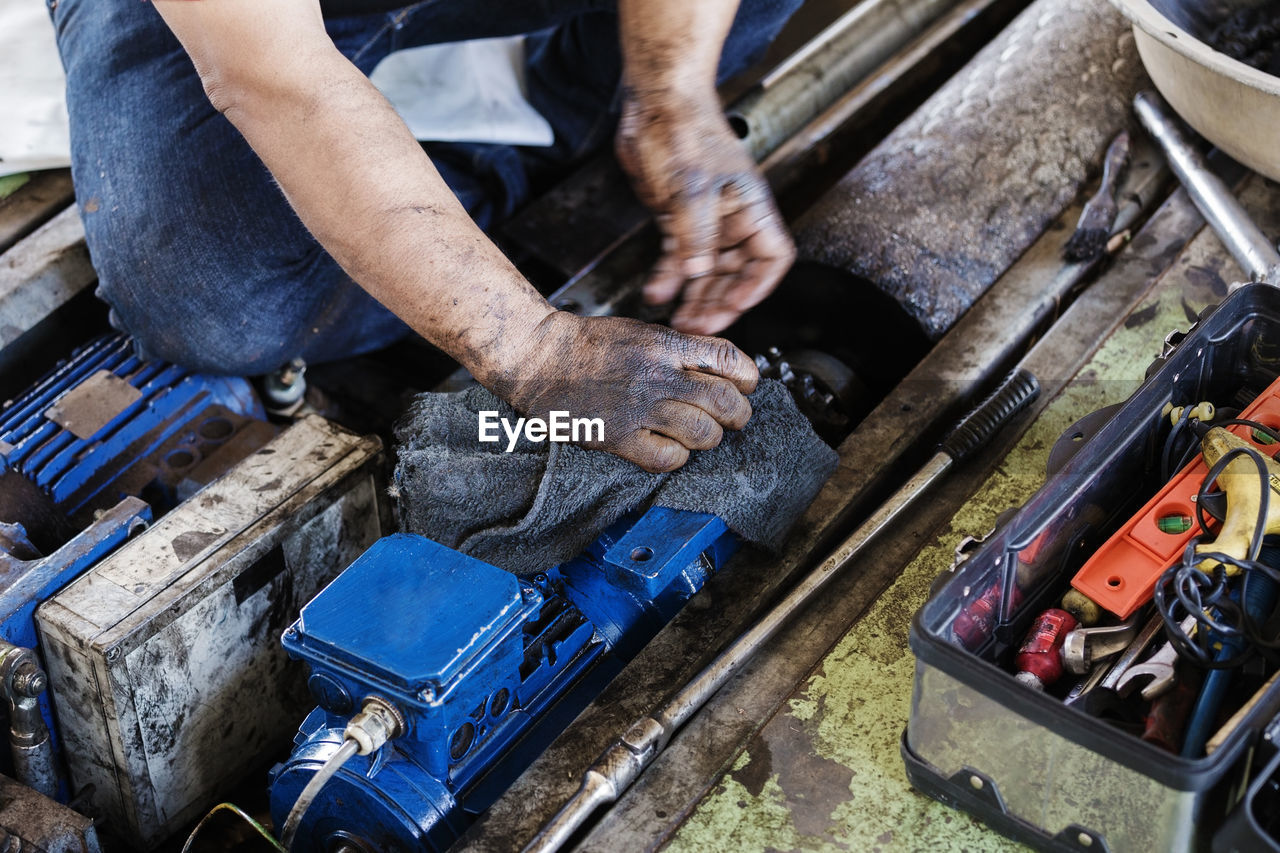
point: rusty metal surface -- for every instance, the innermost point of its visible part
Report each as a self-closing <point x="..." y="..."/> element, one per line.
<point x="824" y="773"/>
<point x="895" y="436"/>
<point x="838" y="137"/>
<point x="954" y="195"/>
<point x="93" y="404"/>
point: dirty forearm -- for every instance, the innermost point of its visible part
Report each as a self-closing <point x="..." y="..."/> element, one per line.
<point x="671" y="48"/>
<point x="363" y="186"/>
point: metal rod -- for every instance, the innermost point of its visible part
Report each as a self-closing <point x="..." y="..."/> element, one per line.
<point x="624" y="761"/>
<point x="1247" y="244"/>
<point x="826" y="67"/>
<point x="786" y="164"/>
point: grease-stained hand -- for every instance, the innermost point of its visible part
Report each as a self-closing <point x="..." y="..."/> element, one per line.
<point x="725" y="246"/>
<point x="660" y="393"/>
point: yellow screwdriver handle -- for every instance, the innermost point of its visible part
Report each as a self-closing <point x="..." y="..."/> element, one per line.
<point x="1239" y="480"/>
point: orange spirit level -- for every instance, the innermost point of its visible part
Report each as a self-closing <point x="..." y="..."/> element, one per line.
<point x="1121" y="575"/>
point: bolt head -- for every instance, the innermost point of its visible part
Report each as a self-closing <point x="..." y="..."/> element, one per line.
<point x="29" y="680"/>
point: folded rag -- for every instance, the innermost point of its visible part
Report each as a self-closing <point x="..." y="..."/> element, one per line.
<point x="544" y="502"/>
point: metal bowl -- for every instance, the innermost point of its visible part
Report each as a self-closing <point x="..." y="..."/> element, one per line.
<point x="1234" y="106"/>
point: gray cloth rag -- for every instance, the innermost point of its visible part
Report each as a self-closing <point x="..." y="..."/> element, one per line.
<point x="543" y="503"/>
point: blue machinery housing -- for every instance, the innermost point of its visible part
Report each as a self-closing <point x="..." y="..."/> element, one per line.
<point x="131" y="436"/>
<point x="486" y="668"/>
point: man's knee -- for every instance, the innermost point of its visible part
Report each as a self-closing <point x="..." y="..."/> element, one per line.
<point x="192" y="313"/>
<point x="198" y="340"/>
<point x="239" y="313"/>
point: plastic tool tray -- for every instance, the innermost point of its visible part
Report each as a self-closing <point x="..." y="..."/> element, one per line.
<point x="1046" y="773"/>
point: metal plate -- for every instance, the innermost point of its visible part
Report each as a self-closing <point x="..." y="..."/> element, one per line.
<point x="93" y="404"/>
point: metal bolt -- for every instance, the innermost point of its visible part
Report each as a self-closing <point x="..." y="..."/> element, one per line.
<point x="290" y="373"/>
<point x="29" y="680"/>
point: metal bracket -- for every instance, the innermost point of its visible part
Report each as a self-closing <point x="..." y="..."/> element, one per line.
<point x="1172" y="340"/>
<point x="967" y="547"/>
<point x="1078" y="837"/>
<point x="980" y="786"/>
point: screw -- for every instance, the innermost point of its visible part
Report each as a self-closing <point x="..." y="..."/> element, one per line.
<point x="29" y="680"/>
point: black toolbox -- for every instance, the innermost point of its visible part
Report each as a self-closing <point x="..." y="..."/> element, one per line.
<point x="1046" y="773"/>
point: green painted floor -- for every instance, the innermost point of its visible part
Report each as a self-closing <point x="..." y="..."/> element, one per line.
<point x="825" y="774"/>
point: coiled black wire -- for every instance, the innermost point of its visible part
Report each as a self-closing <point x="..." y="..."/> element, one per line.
<point x="1184" y="589"/>
<point x="1185" y="426"/>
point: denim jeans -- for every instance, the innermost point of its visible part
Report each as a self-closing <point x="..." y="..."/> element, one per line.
<point x="198" y="252"/>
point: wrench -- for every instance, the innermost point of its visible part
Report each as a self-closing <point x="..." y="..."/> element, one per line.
<point x="1096" y="693"/>
<point x="1160" y="667"/>
<point x="1084" y="647"/>
<point x="1131" y="654"/>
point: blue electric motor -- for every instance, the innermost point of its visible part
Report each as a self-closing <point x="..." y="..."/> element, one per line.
<point x="484" y="668"/>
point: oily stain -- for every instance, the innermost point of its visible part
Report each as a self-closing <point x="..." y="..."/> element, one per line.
<point x="187" y="545"/>
<point x="756" y="772"/>
<point x="1207" y="277"/>
<point x="1141" y="318"/>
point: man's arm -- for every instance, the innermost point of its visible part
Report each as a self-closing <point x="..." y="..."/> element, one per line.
<point x="725" y="246"/>
<point x="364" y="187"/>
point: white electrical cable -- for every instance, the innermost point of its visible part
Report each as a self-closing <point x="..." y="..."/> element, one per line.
<point x="349" y="748"/>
